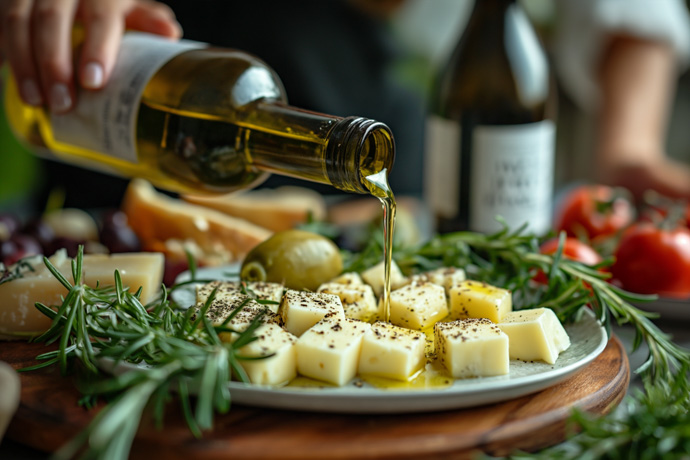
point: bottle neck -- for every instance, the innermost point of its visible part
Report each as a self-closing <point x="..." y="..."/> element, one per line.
<point x="317" y="147"/>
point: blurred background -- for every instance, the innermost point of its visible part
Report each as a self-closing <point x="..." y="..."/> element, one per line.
<point x="373" y="58"/>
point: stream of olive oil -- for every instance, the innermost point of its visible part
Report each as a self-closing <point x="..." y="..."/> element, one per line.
<point x="379" y="187"/>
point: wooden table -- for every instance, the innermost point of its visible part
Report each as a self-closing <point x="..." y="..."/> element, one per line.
<point x="49" y="414"/>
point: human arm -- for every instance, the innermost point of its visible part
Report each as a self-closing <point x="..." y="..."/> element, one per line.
<point x="36" y="40"/>
<point x="637" y="81"/>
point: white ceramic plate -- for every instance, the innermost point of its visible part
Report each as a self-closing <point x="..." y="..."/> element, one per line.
<point x="668" y="309"/>
<point x="588" y="340"/>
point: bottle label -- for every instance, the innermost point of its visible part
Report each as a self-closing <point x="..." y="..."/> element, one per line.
<point x="105" y="121"/>
<point x="511" y="176"/>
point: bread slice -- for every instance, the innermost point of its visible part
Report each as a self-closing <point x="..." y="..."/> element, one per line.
<point x="156" y="218"/>
<point x="277" y="209"/>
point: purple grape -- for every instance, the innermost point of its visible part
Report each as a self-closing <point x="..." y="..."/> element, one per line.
<point x="117" y="235"/>
<point x="8" y="251"/>
<point x="42" y="232"/>
<point x="69" y="244"/>
<point x="9" y="224"/>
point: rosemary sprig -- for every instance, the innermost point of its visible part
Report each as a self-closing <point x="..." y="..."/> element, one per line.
<point x="109" y="325"/>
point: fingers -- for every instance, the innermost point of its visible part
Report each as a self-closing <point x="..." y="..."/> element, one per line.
<point x="36" y="39"/>
<point x="16" y="41"/>
<point x="52" y="23"/>
<point x="155" y="18"/>
<point x="105" y="21"/>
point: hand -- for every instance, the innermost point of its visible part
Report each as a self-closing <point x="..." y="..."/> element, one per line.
<point x="36" y="39"/>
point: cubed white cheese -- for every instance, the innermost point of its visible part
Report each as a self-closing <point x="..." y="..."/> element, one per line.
<point x="391" y="351"/>
<point x="418" y="306"/>
<point x="300" y="310"/>
<point x="359" y="301"/>
<point x="329" y="351"/>
<point x="476" y="299"/>
<point x="447" y="277"/>
<point x="471" y="348"/>
<point x="349" y="278"/>
<point x="374" y="277"/>
<point x="535" y="335"/>
<point x="260" y="290"/>
<point x="277" y="369"/>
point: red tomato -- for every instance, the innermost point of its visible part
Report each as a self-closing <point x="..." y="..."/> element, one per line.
<point x="594" y="211"/>
<point x="654" y="260"/>
<point x="573" y="249"/>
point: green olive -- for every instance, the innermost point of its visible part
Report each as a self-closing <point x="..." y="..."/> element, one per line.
<point x="297" y="258"/>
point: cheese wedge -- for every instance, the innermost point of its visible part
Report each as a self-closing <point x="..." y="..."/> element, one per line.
<point x="19" y="317"/>
<point x="329" y="351"/>
<point x="300" y="310"/>
<point x="475" y="299"/>
<point x="349" y="278"/>
<point x="391" y="351"/>
<point x="277" y="369"/>
<point x="418" y="306"/>
<point x="535" y="335"/>
<point x="359" y="301"/>
<point x="471" y="348"/>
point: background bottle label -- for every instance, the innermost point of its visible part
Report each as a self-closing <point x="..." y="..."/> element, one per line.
<point x="105" y="121"/>
<point x="511" y="177"/>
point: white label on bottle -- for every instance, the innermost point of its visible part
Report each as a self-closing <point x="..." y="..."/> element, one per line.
<point x="105" y="121"/>
<point x="512" y="176"/>
<point x="441" y="165"/>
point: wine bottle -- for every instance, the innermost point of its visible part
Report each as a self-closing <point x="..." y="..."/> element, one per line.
<point x="192" y="118"/>
<point x="490" y="140"/>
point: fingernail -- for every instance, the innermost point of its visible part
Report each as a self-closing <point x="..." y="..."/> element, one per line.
<point x="92" y="76"/>
<point x="60" y="99"/>
<point x="30" y="92"/>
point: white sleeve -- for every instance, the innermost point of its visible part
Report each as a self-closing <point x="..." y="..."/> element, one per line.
<point x="586" y="25"/>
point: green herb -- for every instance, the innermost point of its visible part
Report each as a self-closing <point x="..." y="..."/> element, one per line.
<point x="182" y="348"/>
<point x="109" y="325"/>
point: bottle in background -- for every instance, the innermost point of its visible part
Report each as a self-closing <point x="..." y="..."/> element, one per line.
<point x="490" y="139"/>
<point x="192" y="118"/>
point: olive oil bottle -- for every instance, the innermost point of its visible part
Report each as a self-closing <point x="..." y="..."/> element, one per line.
<point x="490" y="140"/>
<point x="192" y="118"/>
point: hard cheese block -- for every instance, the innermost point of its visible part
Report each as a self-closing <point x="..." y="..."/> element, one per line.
<point x="330" y="350"/>
<point x="535" y="335"/>
<point x="260" y="290"/>
<point x="392" y="351"/>
<point x="473" y="347"/>
<point x="359" y="301"/>
<point x="19" y="318"/>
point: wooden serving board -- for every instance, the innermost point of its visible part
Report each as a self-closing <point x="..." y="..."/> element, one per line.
<point x="48" y="415"/>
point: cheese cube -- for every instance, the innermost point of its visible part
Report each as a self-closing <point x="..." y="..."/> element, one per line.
<point x="329" y="351"/>
<point x="349" y="278"/>
<point x="359" y="301"/>
<point x="19" y="317"/>
<point x="374" y="277"/>
<point x="447" y="277"/>
<point x="475" y="299"/>
<point x="278" y="369"/>
<point x="418" y="306"/>
<point x="391" y="351"/>
<point x="535" y="335"/>
<point x="272" y="292"/>
<point x="300" y="310"/>
<point x="473" y="347"/>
